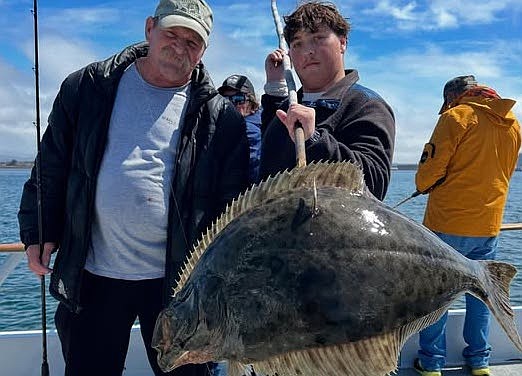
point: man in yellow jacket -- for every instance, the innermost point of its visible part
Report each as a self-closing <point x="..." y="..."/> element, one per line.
<point x="466" y="168"/>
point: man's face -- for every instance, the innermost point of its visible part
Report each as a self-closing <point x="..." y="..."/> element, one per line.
<point x="175" y="51"/>
<point x="318" y="58"/>
<point x="239" y="100"/>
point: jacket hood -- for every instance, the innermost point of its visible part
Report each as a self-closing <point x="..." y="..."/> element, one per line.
<point x="497" y="110"/>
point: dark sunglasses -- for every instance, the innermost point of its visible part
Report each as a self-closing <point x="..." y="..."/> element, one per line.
<point x="236" y="98"/>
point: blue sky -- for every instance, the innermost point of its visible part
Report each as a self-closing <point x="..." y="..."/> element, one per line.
<point x="404" y="50"/>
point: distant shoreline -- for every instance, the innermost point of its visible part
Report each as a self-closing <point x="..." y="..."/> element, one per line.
<point x="15" y="164"/>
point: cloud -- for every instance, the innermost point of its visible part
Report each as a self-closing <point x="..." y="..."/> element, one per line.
<point x="411" y="81"/>
<point x="17" y="112"/>
<point x="439" y="14"/>
<point x="407" y="70"/>
<point x="84" y="18"/>
<point x="58" y="58"/>
<point x="242" y="37"/>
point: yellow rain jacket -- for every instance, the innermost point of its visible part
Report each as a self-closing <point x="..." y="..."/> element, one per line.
<point x="473" y="150"/>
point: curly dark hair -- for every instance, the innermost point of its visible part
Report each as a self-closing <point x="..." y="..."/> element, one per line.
<point x="311" y="15"/>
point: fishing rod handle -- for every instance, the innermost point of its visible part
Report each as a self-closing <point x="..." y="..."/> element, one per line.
<point x="300" y="151"/>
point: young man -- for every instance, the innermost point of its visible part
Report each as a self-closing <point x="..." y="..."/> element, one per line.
<point x="466" y="168"/>
<point x="342" y="120"/>
<point x="140" y="155"/>
<point x="240" y="91"/>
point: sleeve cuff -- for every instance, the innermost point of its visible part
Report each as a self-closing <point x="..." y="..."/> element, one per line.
<point x="276" y="88"/>
<point x="313" y="138"/>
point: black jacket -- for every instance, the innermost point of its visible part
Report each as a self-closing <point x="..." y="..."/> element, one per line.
<point x="211" y="169"/>
<point x="361" y="130"/>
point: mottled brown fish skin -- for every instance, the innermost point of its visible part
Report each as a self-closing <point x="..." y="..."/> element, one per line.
<point x="287" y="275"/>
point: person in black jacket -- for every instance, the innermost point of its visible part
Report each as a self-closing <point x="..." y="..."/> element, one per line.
<point x="240" y="91"/>
<point x="140" y="154"/>
<point x="341" y="119"/>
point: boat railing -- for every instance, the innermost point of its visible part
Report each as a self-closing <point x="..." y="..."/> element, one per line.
<point x="17" y="252"/>
<point x="19" y="247"/>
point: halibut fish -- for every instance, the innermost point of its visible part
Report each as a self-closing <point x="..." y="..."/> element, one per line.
<point x="309" y="274"/>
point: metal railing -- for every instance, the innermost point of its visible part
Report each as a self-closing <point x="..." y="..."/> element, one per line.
<point x="19" y="247"/>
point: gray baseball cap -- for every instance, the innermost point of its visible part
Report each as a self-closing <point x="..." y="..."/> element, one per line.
<point x="455" y="87"/>
<point x="192" y="14"/>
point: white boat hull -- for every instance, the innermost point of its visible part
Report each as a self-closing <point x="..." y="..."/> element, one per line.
<point x="503" y="350"/>
<point x="21" y="352"/>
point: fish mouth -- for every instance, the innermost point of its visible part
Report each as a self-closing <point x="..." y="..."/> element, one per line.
<point x="171" y="351"/>
<point x="168" y="361"/>
<point x="193" y="357"/>
<point x="168" y="352"/>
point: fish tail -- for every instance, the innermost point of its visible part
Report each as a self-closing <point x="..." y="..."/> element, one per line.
<point x="499" y="277"/>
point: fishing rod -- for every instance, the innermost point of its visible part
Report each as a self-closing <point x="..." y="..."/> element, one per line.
<point x="290" y="83"/>
<point x="38" y="165"/>
<point x="416" y="193"/>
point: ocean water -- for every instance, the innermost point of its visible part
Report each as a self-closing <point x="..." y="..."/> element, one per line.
<point x="20" y="293"/>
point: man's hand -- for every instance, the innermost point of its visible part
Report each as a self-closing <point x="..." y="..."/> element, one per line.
<point x="297" y="112"/>
<point x="40" y="266"/>
<point x="274" y="66"/>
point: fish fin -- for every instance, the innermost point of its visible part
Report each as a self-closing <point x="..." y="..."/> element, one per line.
<point x="301" y="215"/>
<point x="236" y="368"/>
<point x="372" y="356"/>
<point x="368" y="357"/>
<point x="345" y="175"/>
<point x="496" y="296"/>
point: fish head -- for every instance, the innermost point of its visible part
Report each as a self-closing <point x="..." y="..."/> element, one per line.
<point x="188" y="331"/>
<point x="175" y="326"/>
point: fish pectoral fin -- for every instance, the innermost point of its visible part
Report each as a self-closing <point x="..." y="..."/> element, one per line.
<point x="302" y="214"/>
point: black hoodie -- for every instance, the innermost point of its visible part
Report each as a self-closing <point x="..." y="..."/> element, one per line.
<point x="361" y="130"/>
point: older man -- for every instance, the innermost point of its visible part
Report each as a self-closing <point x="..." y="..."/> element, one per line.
<point x="140" y="155"/>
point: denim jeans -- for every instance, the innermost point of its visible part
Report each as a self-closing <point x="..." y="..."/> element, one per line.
<point x="432" y="340"/>
<point x="220" y="369"/>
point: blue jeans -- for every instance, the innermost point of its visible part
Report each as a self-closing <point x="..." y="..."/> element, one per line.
<point x="432" y="340"/>
<point x="220" y="369"/>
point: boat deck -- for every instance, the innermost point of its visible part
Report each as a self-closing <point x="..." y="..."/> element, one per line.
<point x="21" y="353"/>
<point x="496" y="370"/>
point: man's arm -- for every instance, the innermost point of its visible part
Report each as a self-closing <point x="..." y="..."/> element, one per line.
<point x="55" y="156"/>
<point x="363" y="133"/>
<point x="270" y="104"/>
<point x="438" y="152"/>
<point x="276" y="91"/>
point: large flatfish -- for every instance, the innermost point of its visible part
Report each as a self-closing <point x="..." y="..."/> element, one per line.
<point x="309" y="274"/>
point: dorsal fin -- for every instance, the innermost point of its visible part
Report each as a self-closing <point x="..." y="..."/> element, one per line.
<point x="324" y="174"/>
